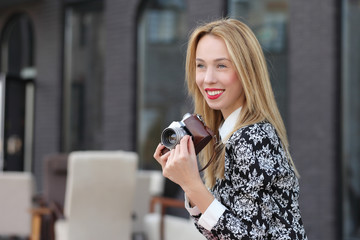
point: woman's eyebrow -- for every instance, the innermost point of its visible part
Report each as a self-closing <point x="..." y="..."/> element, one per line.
<point x="222" y="59"/>
<point x="216" y="60"/>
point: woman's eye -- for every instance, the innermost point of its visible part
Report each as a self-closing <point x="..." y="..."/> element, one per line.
<point x="199" y="65"/>
<point x="221" y="66"/>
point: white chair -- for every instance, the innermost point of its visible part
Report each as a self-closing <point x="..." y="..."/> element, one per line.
<point x="157" y="182"/>
<point x="141" y="203"/>
<point x="149" y="183"/>
<point x="159" y="226"/>
<point x="17" y="189"/>
<point x="175" y="228"/>
<point x="99" y="196"/>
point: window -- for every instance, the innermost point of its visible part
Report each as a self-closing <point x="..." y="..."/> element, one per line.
<point x="83" y="76"/>
<point x="268" y="19"/>
<point x="17" y="47"/>
<point x="351" y="118"/>
<point x="160" y="73"/>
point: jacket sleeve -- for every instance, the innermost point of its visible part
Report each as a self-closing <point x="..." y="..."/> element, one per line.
<point x="252" y="160"/>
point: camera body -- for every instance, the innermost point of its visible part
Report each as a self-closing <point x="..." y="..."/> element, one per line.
<point x="191" y="124"/>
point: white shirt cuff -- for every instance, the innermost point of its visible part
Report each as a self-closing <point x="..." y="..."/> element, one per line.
<point x="212" y="214"/>
<point x="193" y="211"/>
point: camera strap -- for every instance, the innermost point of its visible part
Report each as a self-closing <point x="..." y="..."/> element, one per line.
<point x="211" y="159"/>
<point x="209" y="162"/>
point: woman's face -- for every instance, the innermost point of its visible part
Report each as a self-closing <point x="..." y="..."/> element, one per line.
<point x="216" y="76"/>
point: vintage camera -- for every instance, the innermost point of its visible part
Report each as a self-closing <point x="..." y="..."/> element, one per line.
<point x="191" y="124"/>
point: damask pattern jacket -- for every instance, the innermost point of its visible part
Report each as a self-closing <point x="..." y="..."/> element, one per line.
<point x="259" y="191"/>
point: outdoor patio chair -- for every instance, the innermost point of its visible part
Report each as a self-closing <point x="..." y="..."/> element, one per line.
<point x="99" y="196"/>
<point x="161" y="226"/>
<point x="17" y="189"/>
<point x="149" y="183"/>
<point x="54" y="180"/>
<point x="54" y="184"/>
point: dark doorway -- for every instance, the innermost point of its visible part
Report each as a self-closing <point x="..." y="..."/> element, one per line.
<point x="17" y="93"/>
<point x="14" y="123"/>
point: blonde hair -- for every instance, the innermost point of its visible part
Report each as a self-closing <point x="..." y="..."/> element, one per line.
<point x="248" y="58"/>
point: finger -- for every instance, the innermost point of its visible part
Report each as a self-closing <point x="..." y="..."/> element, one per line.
<point x="157" y="152"/>
<point x="178" y="148"/>
<point x="164" y="150"/>
<point x="159" y="157"/>
<point x="165" y="156"/>
<point x="171" y="154"/>
<point x="184" y="144"/>
<point x="191" y="146"/>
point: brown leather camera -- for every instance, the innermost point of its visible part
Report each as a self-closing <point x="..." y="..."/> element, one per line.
<point x="191" y="124"/>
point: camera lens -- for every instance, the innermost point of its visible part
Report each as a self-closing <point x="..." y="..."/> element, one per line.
<point x="170" y="137"/>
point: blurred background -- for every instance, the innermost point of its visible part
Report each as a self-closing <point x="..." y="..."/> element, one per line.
<point x="109" y="74"/>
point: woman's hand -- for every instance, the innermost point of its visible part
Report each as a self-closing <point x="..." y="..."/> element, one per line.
<point x="161" y="158"/>
<point x="180" y="164"/>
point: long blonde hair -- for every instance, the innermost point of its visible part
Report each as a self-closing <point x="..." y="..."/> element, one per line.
<point x="248" y="58"/>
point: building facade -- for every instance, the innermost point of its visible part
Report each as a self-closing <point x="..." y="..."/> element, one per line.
<point x="109" y="74"/>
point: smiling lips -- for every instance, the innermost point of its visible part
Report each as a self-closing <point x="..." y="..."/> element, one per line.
<point x="213" y="93"/>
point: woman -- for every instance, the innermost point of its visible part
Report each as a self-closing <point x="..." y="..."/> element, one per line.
<point x="251" y="188"/>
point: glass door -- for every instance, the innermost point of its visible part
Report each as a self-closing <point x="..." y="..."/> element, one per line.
<point x="161" y="90"/>
<point x="83" y="76"/>
<point x="269" y="21"/>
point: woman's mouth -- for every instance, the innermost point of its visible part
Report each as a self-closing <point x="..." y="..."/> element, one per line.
<point x="213" y="93"/>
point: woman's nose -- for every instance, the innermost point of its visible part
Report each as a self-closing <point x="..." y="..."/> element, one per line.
<point x="209" y="76"/>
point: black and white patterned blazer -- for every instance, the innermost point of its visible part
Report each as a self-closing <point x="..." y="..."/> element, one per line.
<point x="260" y="190"/>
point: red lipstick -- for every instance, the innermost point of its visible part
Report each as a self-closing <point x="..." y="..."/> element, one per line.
<point x="213" y="93"/>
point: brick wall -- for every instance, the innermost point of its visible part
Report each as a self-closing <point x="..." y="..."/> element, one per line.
<point x="119" y="88"/>
<point x="313" y="112"/>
